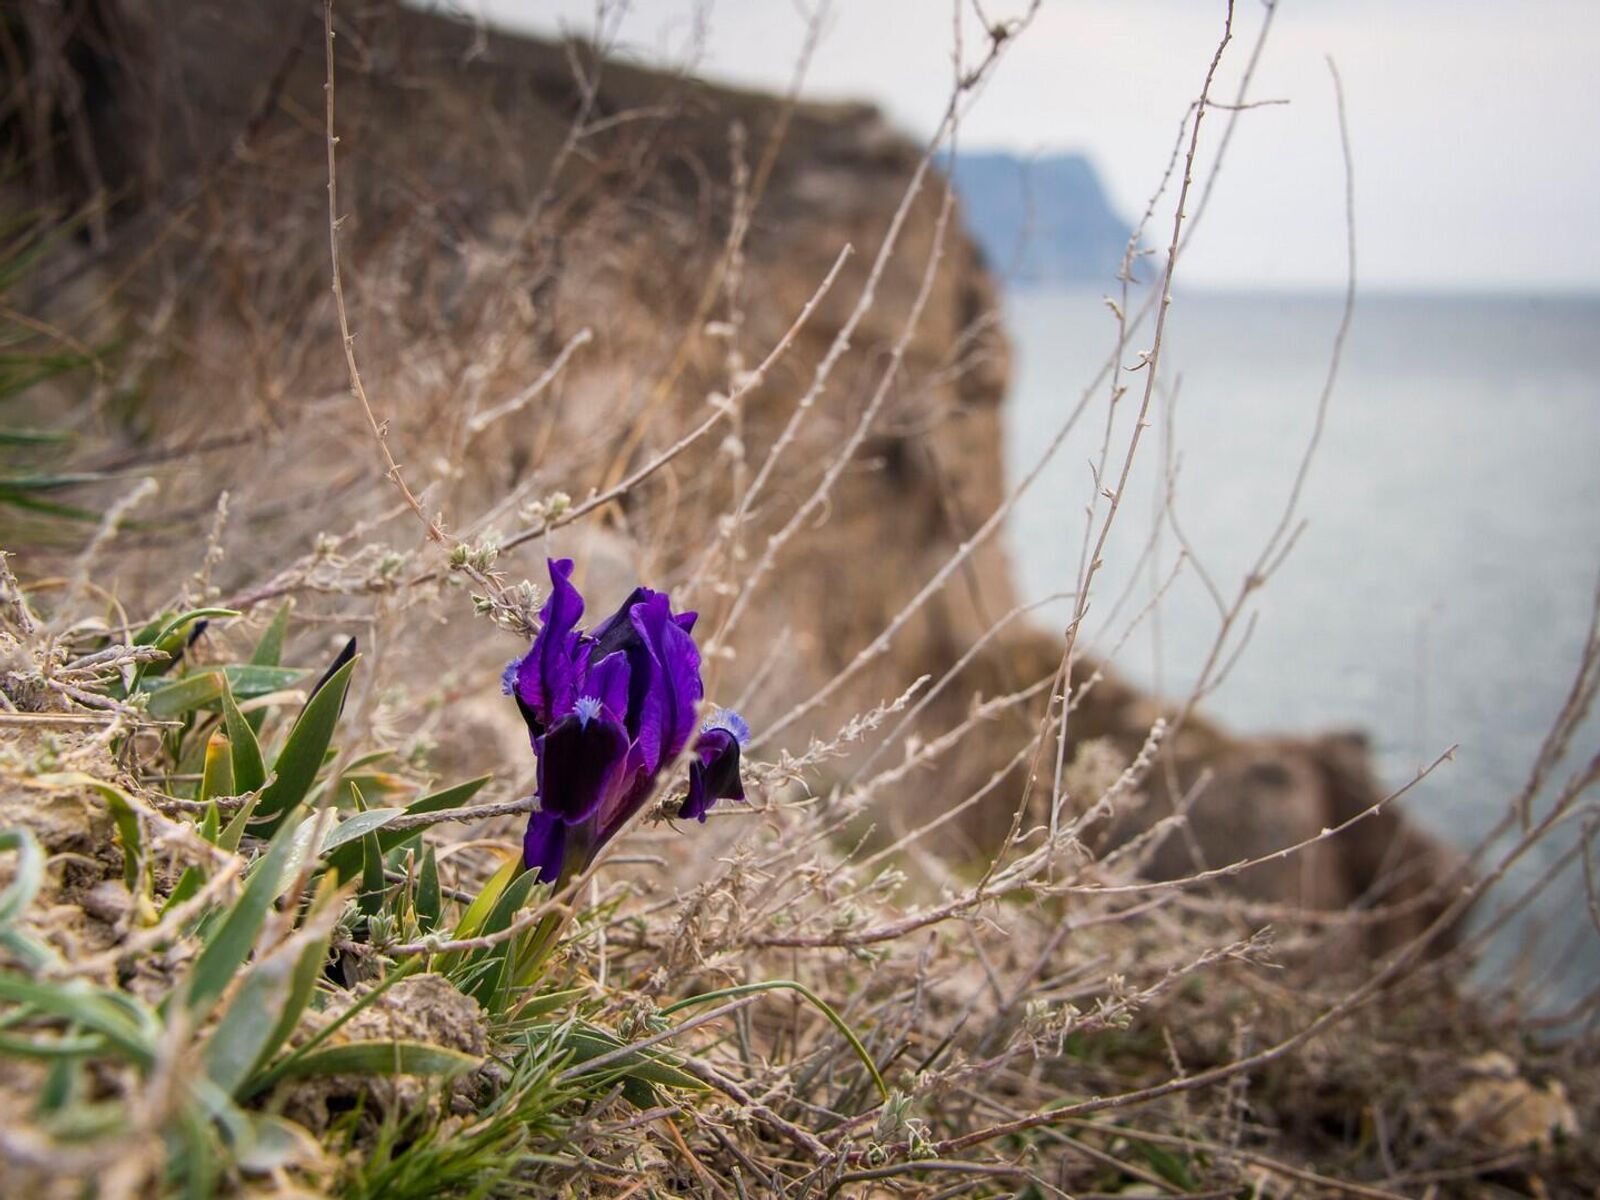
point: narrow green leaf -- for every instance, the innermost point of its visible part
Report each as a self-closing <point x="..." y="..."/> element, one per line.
<point x="590" y="1041"/>
<point x="249" y="769"/>
<point x="84" y="1005"/>
<point x="46" y="1049"/>
<point x="430" y="899"/>
<point x="494" y="987"/>
<point x="234" y="831"/>
<point x="359" y="827"/>
<point x="348" y="861"/>
<point x="300" y="759"/>
<point x="199" y="1160"/>
<point x="269" y="650"/>
<point x="188" y="884"/>
<point x="307" y="971"/>
<point x="478" y="911"/>
<point x="211" y="824"/>
<point x="204" y="688"/>
<point x="27" y="876"/>
<point x="229" y="943"/>
<point x="284" y="1066"/>
<point x="63" y="1082"/>
<point x="550" y="1002"/>
<point x="123" y="814"/>
<point x="216" y="779"/>
<point x="171" y="636"/>
<point x="370" y="901"/>
<point x="485" y="985"/>
<point x="148" y="635"/>
<point x="241" y="1036"/>
<point x="383" y="1058"/>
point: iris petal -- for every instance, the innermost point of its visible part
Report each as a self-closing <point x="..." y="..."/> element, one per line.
<point x="581" y="765"/>
<point x="608" y="683"/>
<point x="713" y="773"/>
<point x="667" y="704"/>
<point x="550" y="675"/>
<point x="544" y="845"/>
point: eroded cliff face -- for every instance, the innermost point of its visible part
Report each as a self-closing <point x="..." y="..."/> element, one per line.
<point x="484" y="237"/>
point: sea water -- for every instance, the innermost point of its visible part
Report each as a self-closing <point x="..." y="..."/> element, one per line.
<point x="1441" y="589"/>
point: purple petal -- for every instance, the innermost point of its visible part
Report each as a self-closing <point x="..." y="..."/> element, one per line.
<point x="608" y="683"/>
<point x="685" y="621"/>
<point x="550" y="675"/>
<point x="616" y="631"/>
<point x="616" y="814"/>
<point x="665" y="706"/>
<point x="544" y="846"/>
<point x="581" y="765"/>
<point x="713" y="773"/>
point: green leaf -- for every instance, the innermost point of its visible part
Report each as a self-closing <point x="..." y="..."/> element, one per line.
<point x="585" y="1042"/>
<point x="90" y="1007"/>
<point x="485" y="985"/>
<point x="550" y="1002"/>
<point x="348" y="860"/>
<point x="370" y="901"/>
<point x="234" y="831"/>
<point x="123" y="813"/>
<point x="211" y="824"/>
<point x="269" y="650"/>
<point x="359" y="827"/>
<point x="188" y="884"/>
<point x="249" y="769"/>
<point x="300" y="759"/>
<point x="241" y="1037"/>
<point x="170" y="635"/>
<point x="51" y="1048"/>
<point x="478" y="911"/>
<point x="217" y="777"/>
<point x="25" y="878"/>
<point x="229" y="943"/>
<point x="429" y="903"/>
<point x="383" y="1058"/>
<point x="204" y="688"/>
<point x="307" y="971"/>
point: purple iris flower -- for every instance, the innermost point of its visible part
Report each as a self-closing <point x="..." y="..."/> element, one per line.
<point x="606" y="710"/>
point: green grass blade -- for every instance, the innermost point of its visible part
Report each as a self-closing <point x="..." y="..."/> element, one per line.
<point x="241" y="1036"/>
<point x="429" y="904"/>
<point x="300" y="759"/>
<point x="216" y="778"/>
<point x="348" y="860"/>
<point x="249" y="768"/>
<point x="204" y="688"/>
<point x="269" y="650"/>
<point x="229" y="944"/>
<point x="383" y="1058"/>
<point x="27" y="876"/>
<point x="816" y="1002"/>
<point x="89" y="1007"/>
<point x="233" y="832"/>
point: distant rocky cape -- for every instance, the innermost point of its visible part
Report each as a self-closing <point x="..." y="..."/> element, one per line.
<point x="1040" y="219"/>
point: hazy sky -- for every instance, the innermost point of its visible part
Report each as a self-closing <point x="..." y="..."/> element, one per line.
<point x="1473" y="121"/>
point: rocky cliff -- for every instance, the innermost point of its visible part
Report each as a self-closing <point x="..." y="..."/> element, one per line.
<point x="509" y="205"/>
<point x="1042" y="218"/>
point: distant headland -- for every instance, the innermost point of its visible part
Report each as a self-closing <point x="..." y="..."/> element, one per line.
<point x="1040" y="218"/>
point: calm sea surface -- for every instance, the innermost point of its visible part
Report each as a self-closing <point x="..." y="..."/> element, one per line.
<point x="1441" y="589"/>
